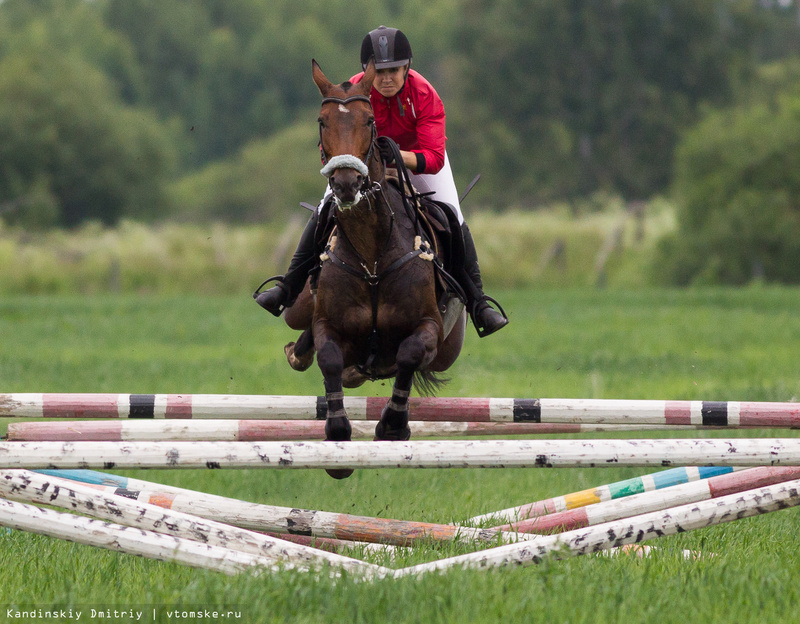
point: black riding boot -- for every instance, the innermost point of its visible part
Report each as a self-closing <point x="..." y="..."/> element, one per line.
<point x="291" y="285"/>
<point x="486" y="319"/>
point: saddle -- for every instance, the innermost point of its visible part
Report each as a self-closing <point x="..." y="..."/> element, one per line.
<point x="437" y="220"/>
<point x="445" y="232"/>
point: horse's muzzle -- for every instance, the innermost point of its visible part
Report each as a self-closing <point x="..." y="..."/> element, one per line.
<point x="346" y="185"/>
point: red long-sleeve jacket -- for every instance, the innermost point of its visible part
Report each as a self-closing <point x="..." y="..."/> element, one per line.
<point x="414" y="119"/>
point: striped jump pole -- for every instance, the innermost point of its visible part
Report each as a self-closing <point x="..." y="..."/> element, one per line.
<point x="602" y="493"/>
<point x="285" y="520"/>
<point x="30" y="487"/>
<point x="129" y="540"/>
<point x="622" y="532"/>
<point x="529" y="453"/>
<point x="169" y="500"/>
<point x="277" y="407"/>
<point x="275" y="430"/>
<point x="638" y="504"/>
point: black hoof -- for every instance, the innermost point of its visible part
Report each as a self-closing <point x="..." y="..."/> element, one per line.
<point x="338" y="430"/>
<point x="393" y="426"/>
<point x="339" y="473"/>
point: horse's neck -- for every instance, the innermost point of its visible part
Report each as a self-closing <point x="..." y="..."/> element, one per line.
<point x="367" y="231"/>
<point x="372" y="226"/>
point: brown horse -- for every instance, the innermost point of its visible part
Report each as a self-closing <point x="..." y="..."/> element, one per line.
<point x="375" y="313"/>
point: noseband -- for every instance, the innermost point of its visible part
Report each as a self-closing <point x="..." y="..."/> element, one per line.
<point x="347" y="161"/>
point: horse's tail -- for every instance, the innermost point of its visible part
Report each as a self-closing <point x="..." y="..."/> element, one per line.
<point x="427" y="382"/>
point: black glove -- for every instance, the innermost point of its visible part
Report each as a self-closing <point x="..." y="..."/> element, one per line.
<point x="387" y="153"/>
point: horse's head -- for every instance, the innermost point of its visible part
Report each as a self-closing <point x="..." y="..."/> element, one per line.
<point x="346" y="133"/>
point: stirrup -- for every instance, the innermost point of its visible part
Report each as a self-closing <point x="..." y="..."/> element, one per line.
<point x="274" y="278"/>
<point x="473" y="315"/>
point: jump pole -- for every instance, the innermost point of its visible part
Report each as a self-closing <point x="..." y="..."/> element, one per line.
<point x="638" y="504"/>
<point x="612" y="491"/>
<point x="622" y="532"/>
<point x="124" y="539"/>
<point x="168" y="500"/>
<point x="30" y="487"/>
<point x="281" y="407"/>
<point x="278" y="430"/>
<point x="286" y="520"/>
<point x="334" y="545"/>
<point x="426" y="454"/>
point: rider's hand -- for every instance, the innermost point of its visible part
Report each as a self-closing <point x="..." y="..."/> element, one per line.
<point x="387" y="153"/>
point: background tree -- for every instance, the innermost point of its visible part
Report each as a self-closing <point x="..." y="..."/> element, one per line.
<point x="738" y="184"/>
<point x="550" y="100"/>
<point x="70" y="150"/>
<point x="574" y="97"/>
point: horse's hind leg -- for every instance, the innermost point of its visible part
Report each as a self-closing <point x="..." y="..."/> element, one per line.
<point x="415" y="352"/>
<point x="300" y="354"/>
<point x="337" y="427"/>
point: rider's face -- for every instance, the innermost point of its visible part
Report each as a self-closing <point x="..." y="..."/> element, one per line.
<point x="389" y="81"/>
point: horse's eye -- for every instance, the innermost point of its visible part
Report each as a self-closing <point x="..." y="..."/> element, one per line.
<point x="321" y="123"/>
<point x="371" y="121"/>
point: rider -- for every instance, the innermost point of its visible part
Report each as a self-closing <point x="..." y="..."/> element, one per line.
<point x="408" y="110"/>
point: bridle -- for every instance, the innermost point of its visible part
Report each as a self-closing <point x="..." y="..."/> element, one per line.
<point x="348" y="160"/>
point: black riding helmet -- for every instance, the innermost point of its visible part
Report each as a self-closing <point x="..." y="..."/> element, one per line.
<point x="389" y="46"/>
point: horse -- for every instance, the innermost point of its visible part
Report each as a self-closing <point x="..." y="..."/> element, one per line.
<point x="375" y="313"/>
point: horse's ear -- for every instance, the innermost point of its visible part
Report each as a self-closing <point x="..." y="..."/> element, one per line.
<point x="323" y="84"/>
<point x="369" y="76"/>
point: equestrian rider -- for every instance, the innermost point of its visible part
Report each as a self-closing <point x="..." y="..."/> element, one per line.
<point x="408" y="110"/>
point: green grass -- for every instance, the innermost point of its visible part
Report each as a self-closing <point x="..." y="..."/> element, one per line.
<point x="698" y="344"/>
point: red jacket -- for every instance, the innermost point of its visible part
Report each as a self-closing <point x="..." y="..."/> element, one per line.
<point x="414" y="119"/>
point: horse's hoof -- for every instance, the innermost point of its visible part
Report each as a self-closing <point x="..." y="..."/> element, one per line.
<point x="339" y="473"/>
<point x="384" y="433"/>
<point x="298" y="363"/>
<point x="393" y="426"/>
<point x="338" y="430"/>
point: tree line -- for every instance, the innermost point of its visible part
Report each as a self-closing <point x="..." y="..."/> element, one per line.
<point x="204" y="109"/>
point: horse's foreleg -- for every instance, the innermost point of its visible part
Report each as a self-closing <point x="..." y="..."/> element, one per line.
<point x="331" y="363"/>
<point x="415" y="352"/>
<point x="337" y="426"/>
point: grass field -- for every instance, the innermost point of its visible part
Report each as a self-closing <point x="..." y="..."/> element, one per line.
<point x="697" y="344"/>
